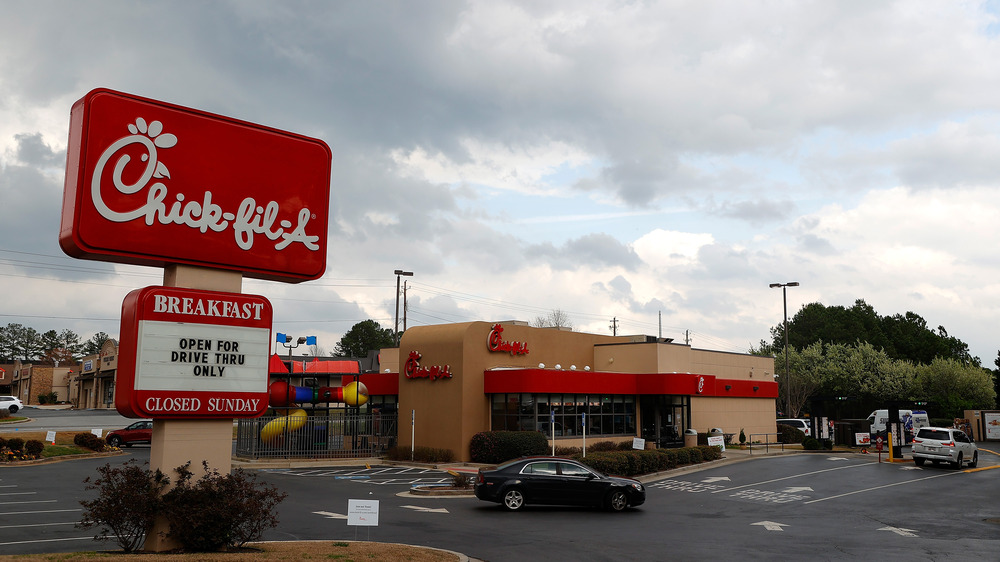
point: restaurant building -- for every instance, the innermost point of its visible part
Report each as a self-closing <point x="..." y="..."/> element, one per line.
<point x="455" y="380"/>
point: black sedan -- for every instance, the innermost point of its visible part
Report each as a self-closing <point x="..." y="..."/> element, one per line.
<point x="556" y="481"/>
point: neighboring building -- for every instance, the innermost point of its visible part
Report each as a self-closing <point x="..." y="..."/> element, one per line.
<point x="6" y="378"/>
<point x="30" y="380"/>
<point x="94" y="386"/>
<point x="456" y="380"/>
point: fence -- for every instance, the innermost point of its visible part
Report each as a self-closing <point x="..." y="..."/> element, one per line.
<point x="337" y="435"/>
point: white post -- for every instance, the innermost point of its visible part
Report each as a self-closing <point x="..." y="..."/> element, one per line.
<point x="413" y="417"/>
<point x="583" y="419"/>
<point x="552" y="428"/>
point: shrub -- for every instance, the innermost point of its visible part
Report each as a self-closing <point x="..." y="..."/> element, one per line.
<point x="811" y="444"/>
<point x="420" y="454"/>
<point x="15" y="444"/>
<point x="219" y="511"/>
<point x="3" y="442"/>
<point x="569" y="451"/>
<point x="603" y="446"/>
<point x="790" y="434"/>
<point x="494" y="447"/>
<point x="127" y="503"/>
<point x="89" y="441"/>
<point x="34" y="448"/>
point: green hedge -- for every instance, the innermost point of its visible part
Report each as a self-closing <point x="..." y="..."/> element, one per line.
<point x="495" y="447"/>
<point x="634" y="462"/>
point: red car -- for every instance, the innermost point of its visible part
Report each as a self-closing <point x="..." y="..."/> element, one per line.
<point x="139" y="432"/>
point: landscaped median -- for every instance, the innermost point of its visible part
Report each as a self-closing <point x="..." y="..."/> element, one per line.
<point x="30" y="447"/>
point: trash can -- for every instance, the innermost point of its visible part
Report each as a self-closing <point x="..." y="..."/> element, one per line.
<point x="716" y="432"/>
<point x="690" y="438"/>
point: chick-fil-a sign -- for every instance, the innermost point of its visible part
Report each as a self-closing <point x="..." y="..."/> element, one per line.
<point x="153" y="183"/>
<point x="496" y="343"/>
<point x="413" y="370"/>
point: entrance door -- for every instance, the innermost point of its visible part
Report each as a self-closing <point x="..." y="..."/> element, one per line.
<point x="664" y="419"/>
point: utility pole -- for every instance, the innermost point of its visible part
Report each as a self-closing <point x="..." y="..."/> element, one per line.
<point x="614" y="326"/>
<point x="659" y="318"/>
<point x="404" y="305"/>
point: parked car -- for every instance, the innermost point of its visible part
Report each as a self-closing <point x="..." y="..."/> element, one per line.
<point x="138" y="432"/>
<point x="10" y="403"/>
<point x="556" y="481"/>
<point x="801" y="425"/>
<point x="944" y="444"/>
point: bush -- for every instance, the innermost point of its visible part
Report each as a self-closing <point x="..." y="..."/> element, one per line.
<point x="420" y="454"/>
<point x="633" y="462"/>
<point x="790" y="434"/>
<point x="811" y="444"/>
<point x="15" y="444"/>
<point x="89" y="441"/>
<point x="127" y="503"/>
<point x="495" y="447"/>
<point x="218" y="511"/>
<point x="34" y="448"/>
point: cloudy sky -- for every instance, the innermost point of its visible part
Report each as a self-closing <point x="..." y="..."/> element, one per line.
<point x="658" y="163"/>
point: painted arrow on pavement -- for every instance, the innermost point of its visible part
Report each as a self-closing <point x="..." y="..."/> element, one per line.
<point x="836" y="458"/>
<point x="329" y="515"/>
<point x="711" y="479"/>
<point x="797" y="489"/>
<point x="770" y="525"/>
<point x="910" y="468"/>
<point x="425" y="509"/>
<point x="901" y="532"/>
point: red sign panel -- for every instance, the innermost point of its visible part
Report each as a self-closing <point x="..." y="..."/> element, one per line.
<point x="153" y="183"/>
<point x="189" y="353"/>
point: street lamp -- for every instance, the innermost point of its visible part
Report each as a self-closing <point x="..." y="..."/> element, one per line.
<point x="398" y="273"/>
<point x="286" y="341"/>
<point x="788" y="374"/>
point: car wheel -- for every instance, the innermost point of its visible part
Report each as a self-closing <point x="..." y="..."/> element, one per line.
<point x="958" y="462"/>
<point x="975" y="460"/>
<point x="918" y="461"/>
<point x="617" y="500"/>
<point x="13" y="409"/>
<point x="115" y="441"/>
<point x="513" y="499"/>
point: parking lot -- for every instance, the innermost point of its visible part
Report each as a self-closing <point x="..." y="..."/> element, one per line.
<point x="768" y="507"/>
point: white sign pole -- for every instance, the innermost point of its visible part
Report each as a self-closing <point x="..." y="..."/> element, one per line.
<point x="583" y="423"/>
<point x="552" y="425"/>
<point x="413" y="433"/>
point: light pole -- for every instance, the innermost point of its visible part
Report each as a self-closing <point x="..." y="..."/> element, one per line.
<point x="788" y="374"/>
<point x="399" y="273"/>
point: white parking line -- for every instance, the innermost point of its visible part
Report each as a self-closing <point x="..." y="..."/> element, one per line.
<point x="884" y="486"/>
<point x="36" y="525"/>
<point x="792" y="477"/>
<point x="47" y="540"/>
<point x="42" y="511"/>
<point x="17" y="493"/>
<point x="33" y="501"/>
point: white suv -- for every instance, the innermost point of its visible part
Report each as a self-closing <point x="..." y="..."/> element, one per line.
<point x="10" y="403"/>
<point x="801" y="425"/>
<point x="944" y="444"/>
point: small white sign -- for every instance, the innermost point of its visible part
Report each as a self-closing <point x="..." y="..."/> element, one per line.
<point x="638" y="443"/>
<point x="864" y="439"/>
<point x="50" y="436"/>
<point x="717" y="442"/>
<point x="97" y="432"/>
<point x="362" y="513"/>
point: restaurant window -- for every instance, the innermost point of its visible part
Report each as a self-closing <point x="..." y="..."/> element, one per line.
<point x="606" y="414"/>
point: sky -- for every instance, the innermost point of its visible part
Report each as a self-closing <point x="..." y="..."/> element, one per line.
<point x="648" y="165"/>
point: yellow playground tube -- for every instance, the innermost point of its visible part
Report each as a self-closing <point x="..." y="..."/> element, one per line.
<point x="278" y="426"/>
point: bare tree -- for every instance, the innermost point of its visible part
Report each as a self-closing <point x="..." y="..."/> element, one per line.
<point x="555" y="319"/>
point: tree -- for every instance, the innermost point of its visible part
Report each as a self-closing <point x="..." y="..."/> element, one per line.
<point x="21" y="342"/>
<point x="555" y="319"/>
<point x="364" y="337"/>
<point x="95" y="343"/>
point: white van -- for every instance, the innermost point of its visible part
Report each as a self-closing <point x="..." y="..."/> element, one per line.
<point x="801" y="425"/>
<point x="912" y="421"/>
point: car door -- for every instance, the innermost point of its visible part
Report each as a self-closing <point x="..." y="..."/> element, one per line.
<point x="580" y="486"/>
<point x="541" y="482"/>
<point x="964" y="445"/>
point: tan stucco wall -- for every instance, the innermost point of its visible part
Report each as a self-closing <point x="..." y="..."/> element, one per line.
<point x="752" y="415"/>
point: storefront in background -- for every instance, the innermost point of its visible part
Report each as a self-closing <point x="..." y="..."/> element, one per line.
<point x="94" y="387"/>
<point x="455" y="380"/>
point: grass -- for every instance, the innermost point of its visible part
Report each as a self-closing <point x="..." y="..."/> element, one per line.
<point x="292" y="551"/>
<point x="63" y="445"/>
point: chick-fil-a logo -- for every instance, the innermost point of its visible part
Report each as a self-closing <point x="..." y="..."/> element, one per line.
<point x="495" y="343"/>
<point x="248" y="220"/>
<point x="701" y="385"/>
<point x="413" y="370"/>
